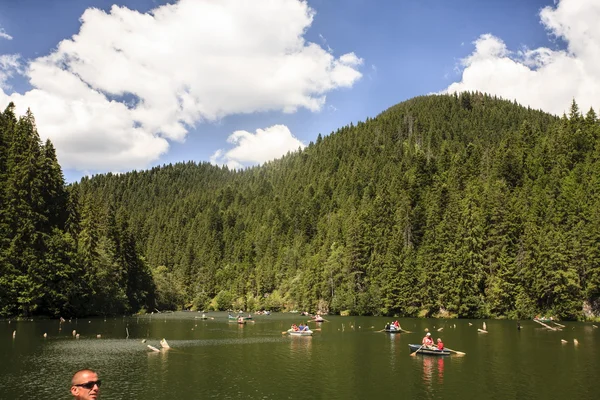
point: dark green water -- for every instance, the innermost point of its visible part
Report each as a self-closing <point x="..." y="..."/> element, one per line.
<point x="347" y="359"/>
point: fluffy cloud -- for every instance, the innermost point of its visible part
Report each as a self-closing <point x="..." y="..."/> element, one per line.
<point x="113" y="95"/>
<point x="265" y="145"/>
<point x="542" y="78"/>
<point x="9" y="64"/>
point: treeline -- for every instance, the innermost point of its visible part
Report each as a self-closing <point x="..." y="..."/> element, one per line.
<point x="59" y="255"/>
<point x="457" y="205"/>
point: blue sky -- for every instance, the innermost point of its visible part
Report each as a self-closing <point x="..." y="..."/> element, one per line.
<point x="134" y="84"/>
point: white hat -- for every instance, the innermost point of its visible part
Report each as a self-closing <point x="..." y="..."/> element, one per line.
<point x="428" y="333"/>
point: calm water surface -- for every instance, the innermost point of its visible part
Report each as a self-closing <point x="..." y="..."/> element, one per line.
<point x="346" y="359"/>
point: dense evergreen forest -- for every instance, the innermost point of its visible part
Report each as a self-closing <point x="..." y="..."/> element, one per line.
<point x="454" y="206"/>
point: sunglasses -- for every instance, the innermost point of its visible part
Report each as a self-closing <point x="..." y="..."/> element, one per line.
<point x="90" y="384"/>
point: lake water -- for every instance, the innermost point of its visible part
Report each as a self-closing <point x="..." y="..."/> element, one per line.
<point x="346" y="359"/>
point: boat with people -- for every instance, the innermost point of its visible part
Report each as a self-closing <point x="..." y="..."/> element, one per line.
<point x="318" y="318"/>
<point x="394" y="327"/>
<point x="428" y="350"/>
<point x="299" y="330"/>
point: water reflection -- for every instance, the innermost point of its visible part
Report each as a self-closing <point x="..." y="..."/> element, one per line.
<point x="301" y="345"/>
<point x="395" y="347"/>
<point x="433" y="369"/>
<point x="162" y="355"/>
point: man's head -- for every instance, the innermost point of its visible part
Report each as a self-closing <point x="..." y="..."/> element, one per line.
<point x="428" y="334"/>
<point x="85" y="385"/>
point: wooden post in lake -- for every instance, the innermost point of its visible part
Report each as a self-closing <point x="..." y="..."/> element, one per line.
<point x="546" y="326"/>
<point x="484" y="330"/>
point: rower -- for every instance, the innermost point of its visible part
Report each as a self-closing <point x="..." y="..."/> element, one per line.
<point x="427" y="340"/>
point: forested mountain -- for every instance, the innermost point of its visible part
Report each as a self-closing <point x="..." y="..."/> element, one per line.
<point x="456" y="205"/>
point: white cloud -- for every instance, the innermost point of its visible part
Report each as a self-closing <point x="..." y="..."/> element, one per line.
<point x="542" y="78"/>
<point x="113" y="95"/>
<point x="4" y="35"/>
<point x="9" y="64"/>
<point x="257" y="148"/>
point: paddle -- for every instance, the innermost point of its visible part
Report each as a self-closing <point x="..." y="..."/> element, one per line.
<point x="415" y="353"/>
<point x="455" y="352"/>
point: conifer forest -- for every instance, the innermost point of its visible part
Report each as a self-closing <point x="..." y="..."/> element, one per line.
<point x="463" y="205"/>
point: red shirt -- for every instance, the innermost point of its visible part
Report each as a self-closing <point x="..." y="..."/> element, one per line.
<point x="440" y="346"/>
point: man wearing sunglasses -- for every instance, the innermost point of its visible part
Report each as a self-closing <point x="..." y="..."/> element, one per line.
<point x="85" y="385"/>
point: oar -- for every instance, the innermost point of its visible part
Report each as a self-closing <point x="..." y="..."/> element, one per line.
<point x="455" y="352"/>
<point x="415" y="353"/>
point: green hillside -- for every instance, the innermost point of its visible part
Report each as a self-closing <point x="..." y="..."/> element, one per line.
<point x="467" y="206"/>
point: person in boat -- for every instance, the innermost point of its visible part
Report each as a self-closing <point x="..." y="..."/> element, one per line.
<point x="85" y="385"/>
<point x="397" y="324"/>
<point x="387" y="327"/>
<point x="427" y="340"/>
<point x="295" y="327"/>
<point x="301" y="327"/>
<point x="440" y="344"/>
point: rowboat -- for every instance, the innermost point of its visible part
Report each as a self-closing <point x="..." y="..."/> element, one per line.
<point x="299" y="333"/>
<point x="428" y="351"/>
<point x="393" y="330"/>
<point x="236" y="321"/>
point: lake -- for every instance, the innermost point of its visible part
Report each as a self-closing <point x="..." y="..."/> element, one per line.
<point x="346" y="359"/>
